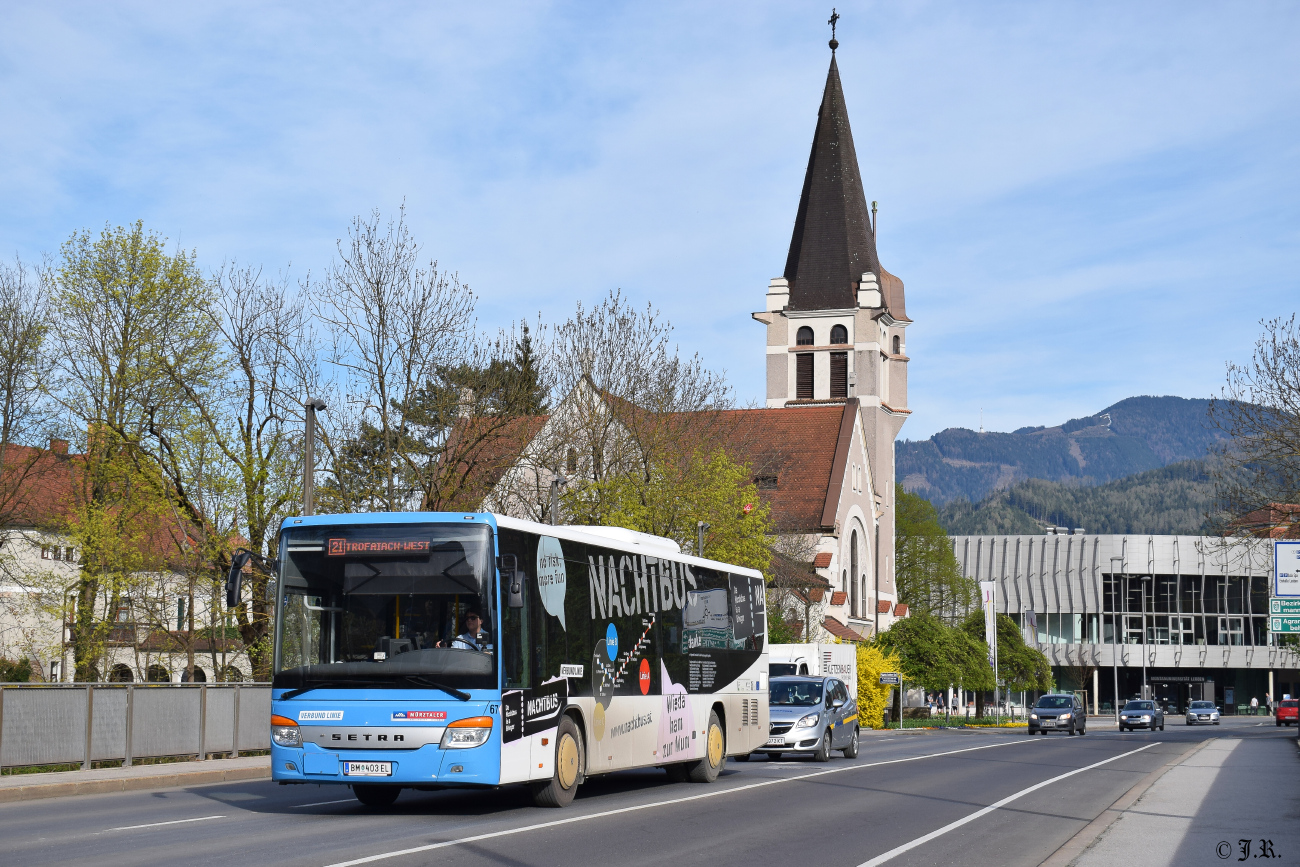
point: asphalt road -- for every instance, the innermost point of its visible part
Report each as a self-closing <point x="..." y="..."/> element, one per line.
<point x="900" y="789"/>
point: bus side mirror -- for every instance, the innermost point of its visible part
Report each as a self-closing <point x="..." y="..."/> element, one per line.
<point x="517" y="589"/>
<point x="235" y="578"/>
<point x="509" y="566"/>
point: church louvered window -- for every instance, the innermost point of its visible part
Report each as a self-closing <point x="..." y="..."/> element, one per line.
<point x="839" y="375"/>
<point x="804" y="337"/>
<point x="839" y="334"/>
<point x="803" y="376"/>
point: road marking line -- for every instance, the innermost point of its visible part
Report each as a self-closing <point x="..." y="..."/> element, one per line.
<point x="160" y="824"/>
<point x="323" y="803"/>
<point x="540" y="825"/>
<point x="952" y="826"/>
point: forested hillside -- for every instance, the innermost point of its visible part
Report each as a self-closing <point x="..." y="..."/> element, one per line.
<point x="1132" y="436"/>
<point x="1172" y="499"/>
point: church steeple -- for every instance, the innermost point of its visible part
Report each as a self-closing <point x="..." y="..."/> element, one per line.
<point x="833" y="243"/>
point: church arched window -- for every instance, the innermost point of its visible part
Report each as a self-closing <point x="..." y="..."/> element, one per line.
<point x="898" y="345"/>
<point x="804" y="337"/>
<point x="839" y="334"/>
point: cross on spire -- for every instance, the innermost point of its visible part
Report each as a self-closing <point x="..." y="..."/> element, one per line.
<point x="835" y="17"/>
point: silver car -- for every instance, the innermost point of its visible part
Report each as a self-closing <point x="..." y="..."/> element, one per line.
<point x="1202" y="712"/>
<point x="810" y="716"/>
<point x="1141" y="714"/>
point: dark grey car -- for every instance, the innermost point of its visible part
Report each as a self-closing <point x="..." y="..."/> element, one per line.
<point x="1059" y="712"/>
<point x="1141" y="714"/>
<point x="810" y="716"/>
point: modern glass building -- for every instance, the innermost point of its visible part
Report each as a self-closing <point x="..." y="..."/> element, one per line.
<point x="1186" y="615"/>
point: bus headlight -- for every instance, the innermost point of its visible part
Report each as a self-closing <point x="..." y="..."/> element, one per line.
<point x="284" y="731"/>
<point x="811" y="720"/>
<point x="466" y="733"/>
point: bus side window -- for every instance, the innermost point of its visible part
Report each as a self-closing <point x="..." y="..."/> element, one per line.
<point x="516" y="624"/>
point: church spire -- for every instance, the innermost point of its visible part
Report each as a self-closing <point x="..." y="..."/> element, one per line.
<point x="833" y="243"/>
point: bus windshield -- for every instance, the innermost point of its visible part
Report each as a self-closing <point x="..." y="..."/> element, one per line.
<point x="386" y="606"/>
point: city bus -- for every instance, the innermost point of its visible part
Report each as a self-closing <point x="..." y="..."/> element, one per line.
<point x="459" y="650"/>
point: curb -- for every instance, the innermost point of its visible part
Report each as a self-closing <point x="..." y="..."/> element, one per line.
<point x="63" y="789"/>
<point x="1075" y="846"/>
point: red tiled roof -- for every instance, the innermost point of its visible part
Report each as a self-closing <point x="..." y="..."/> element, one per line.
<point x="884" y="607"/>
<point x="822" y="560"/>
<point x="839" y="630"/>
<point x="838" y="597"/>
<point x="797" y="445"/>
<point x="900" y="610"/>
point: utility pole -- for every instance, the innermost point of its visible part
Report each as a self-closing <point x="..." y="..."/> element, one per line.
<point x="312" y="406"/>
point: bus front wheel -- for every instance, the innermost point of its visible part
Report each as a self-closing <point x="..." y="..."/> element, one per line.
<point x="706" y="770"/>
<point x="569" y="764"/>
<point x="376" y="796"/>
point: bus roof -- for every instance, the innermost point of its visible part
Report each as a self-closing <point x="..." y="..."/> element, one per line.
<point x="628" y="540"/>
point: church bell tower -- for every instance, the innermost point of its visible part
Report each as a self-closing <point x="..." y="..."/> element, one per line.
<point x="836" y="319"/>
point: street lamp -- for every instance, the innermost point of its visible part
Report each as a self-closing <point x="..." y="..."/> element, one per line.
<point x="557" y="481"/>
<point x="312" y="406"/>
<point x="700" y="527"/>
<point x="1115" y="631"/>
<point x="1144" y="579"/>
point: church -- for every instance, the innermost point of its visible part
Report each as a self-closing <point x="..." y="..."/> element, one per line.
<point x="835" y="356"/>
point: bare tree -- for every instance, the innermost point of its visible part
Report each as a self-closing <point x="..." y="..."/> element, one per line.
<point x="627" y="404"/>
<point x="394" y="324"/>
<point x="1259" y="408"/>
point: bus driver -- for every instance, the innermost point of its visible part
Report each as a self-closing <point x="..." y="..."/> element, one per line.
<point x="473" y="638"/>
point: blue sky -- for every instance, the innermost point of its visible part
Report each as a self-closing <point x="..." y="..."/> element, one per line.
<point x="1087" y="201"/>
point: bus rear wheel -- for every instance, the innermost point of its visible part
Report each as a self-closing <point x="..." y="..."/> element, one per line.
<point x="376" y="796"/>
<point x="569" y="764"/>
<point x="706" y="770"/>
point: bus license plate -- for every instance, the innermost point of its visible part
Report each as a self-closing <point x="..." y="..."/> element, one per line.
<point x="776" y="742"/>
<point x="368" y="769"/>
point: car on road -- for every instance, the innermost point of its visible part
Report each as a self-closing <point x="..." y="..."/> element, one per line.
<point x="810" y="716"/>
<point x="1141" y="714"/>
<point x="1288" y="712"/>
<point x="1061" y="712"/>
<point x="1202" y="712"/>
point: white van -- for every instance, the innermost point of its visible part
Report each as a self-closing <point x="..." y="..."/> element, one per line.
<point x="817" y="660"/>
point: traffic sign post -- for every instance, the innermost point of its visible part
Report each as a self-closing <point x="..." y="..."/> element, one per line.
<point x="1286" y="569"/>
<point x="1284" y="625"/>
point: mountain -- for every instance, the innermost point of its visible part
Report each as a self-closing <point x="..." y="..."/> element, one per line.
<point x="1172" y="499"/>
<point x="1132" y="436"/>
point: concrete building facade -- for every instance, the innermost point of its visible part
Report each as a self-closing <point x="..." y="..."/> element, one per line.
<point x="1187" y="615"/>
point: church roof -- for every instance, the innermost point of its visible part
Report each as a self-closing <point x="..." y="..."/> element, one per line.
<point x="833" y="242"/>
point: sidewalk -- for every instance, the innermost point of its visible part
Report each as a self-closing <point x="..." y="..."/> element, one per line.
<point x="28" y="787"/>
<point x="1201" y="809"/>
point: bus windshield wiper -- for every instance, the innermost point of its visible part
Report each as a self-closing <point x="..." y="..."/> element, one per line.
<point x="294" y="693"/>
<point x="424" y="681"/>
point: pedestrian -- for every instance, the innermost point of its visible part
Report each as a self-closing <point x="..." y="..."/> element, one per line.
<point x="1254" y="706"/>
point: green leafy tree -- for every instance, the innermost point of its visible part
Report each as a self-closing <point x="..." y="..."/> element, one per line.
<point x="935" y="655"/>
<point x="675" y="495"/>
<point x="1024" y="668"/>
<point x="133" y="320"/>
<point x="928" y="576"/>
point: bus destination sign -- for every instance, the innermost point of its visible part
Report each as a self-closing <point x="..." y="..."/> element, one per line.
<point x="370" y="547"/>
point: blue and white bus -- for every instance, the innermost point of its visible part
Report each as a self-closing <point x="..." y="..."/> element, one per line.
<point x="595" y="649"/>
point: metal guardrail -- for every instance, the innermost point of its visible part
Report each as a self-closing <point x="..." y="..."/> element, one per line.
<point x="52" y="724"/>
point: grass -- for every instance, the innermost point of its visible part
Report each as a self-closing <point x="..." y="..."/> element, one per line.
<point x="957" y="722"/>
